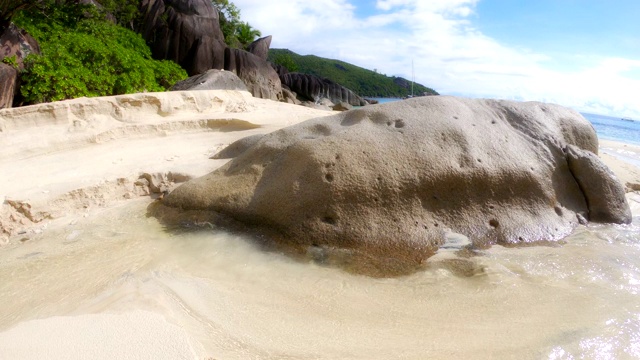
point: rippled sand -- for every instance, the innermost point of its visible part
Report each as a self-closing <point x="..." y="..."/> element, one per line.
<point x="118" y="285"/>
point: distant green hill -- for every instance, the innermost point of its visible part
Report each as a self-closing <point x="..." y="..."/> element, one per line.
<point x="363" y="82"/>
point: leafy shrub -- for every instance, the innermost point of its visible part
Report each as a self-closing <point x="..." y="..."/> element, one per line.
<point x="11" y="61"/>
<point x="83" y="55"/>
<point x="285" y="60"/>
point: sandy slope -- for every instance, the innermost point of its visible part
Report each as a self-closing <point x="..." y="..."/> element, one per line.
<point x="61" y="159"/>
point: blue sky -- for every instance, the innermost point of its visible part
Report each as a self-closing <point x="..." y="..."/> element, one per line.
<point x="584" y="54"/>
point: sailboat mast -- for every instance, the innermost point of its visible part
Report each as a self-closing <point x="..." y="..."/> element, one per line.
<point x="413" y="77"/>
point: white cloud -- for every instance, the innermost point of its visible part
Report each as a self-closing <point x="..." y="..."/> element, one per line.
<point x="448" y="53"/>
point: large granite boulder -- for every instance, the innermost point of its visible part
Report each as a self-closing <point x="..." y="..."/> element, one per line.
<point x="8" y="83"/>
<point x="260" y="47"/>
<point x="211" y="80"/>
<point x="15" y="42"/>
<point x="261" y="79"/>
<point x="185" y="31"/>
<point x="392" y="182"/>
<point x="313" y="88"/>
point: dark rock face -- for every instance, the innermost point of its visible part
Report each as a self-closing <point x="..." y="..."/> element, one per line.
<point x="16" y="42"/>
<point x="211" y="80"/>
<point x="313" y="88"/>
<point x="8" y="82"/>
<point x="185" y="31"/>
<point x="260" y="47"/>
<point x="259" y="77"/>
<point x="393" y="182"/>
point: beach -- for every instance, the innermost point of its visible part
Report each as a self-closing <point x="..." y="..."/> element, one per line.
<point x="90" y="275"/>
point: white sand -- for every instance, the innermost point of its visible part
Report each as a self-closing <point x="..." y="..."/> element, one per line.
<point x="130" y="335"/>
<point x="61" y="160"/>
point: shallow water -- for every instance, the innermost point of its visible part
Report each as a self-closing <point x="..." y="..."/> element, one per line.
<point x="578" y="299"/>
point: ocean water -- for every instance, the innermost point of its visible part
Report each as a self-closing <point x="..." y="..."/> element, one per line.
<point x="615" y="128"/>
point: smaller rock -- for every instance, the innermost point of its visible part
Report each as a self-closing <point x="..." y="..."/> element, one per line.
<point x="289" y="96"/>
<point x="211" y="80"/>
<point x="314" y="105"/>
<point x="633" y="186"/>
<point x="601" y="188"/>
<point x="342" y="106"/>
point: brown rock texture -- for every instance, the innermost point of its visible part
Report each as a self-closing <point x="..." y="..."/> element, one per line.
<point x="393" y="180"/>
<point x="8" y="82"/>
<point x="260" y="47"/>
<point x="211" y="80"/>
<point x="16" y="42"/>
<point x="261" y="79"/>
<point x="185" y="31"/>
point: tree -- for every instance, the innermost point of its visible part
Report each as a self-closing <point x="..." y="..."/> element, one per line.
<point x="86" y="55"/>
<point x="237" y="34"/>
<point x="285" y="60"/>
<point x="246" y="34"/>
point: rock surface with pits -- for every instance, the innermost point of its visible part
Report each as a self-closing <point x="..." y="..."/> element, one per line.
<point x="390" y="181"/>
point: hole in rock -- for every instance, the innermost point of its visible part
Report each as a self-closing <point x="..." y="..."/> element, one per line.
<point x="399" y="123"/>
<point x="329" y="220"/>
<point x="494" y="223"/>
<point x="558" y="210"/>
<point x="329" y="177"/>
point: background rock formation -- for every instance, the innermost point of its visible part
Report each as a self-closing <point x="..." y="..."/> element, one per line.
<point x="260" y="47"/>
<point x="313" y="88"/>
<point x="259" y="77"/>
<point x="185" y="31"/>
<point x="393" y="180"/>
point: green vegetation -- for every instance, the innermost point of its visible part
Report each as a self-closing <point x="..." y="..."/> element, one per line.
<point x="11" y="61"/>
<point x="85" y="55"/>
<point x="362" y="81"/>
<point x="237" y="34"/>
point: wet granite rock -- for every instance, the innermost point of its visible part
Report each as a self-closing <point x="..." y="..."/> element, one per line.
<point x="392" y="182"/>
